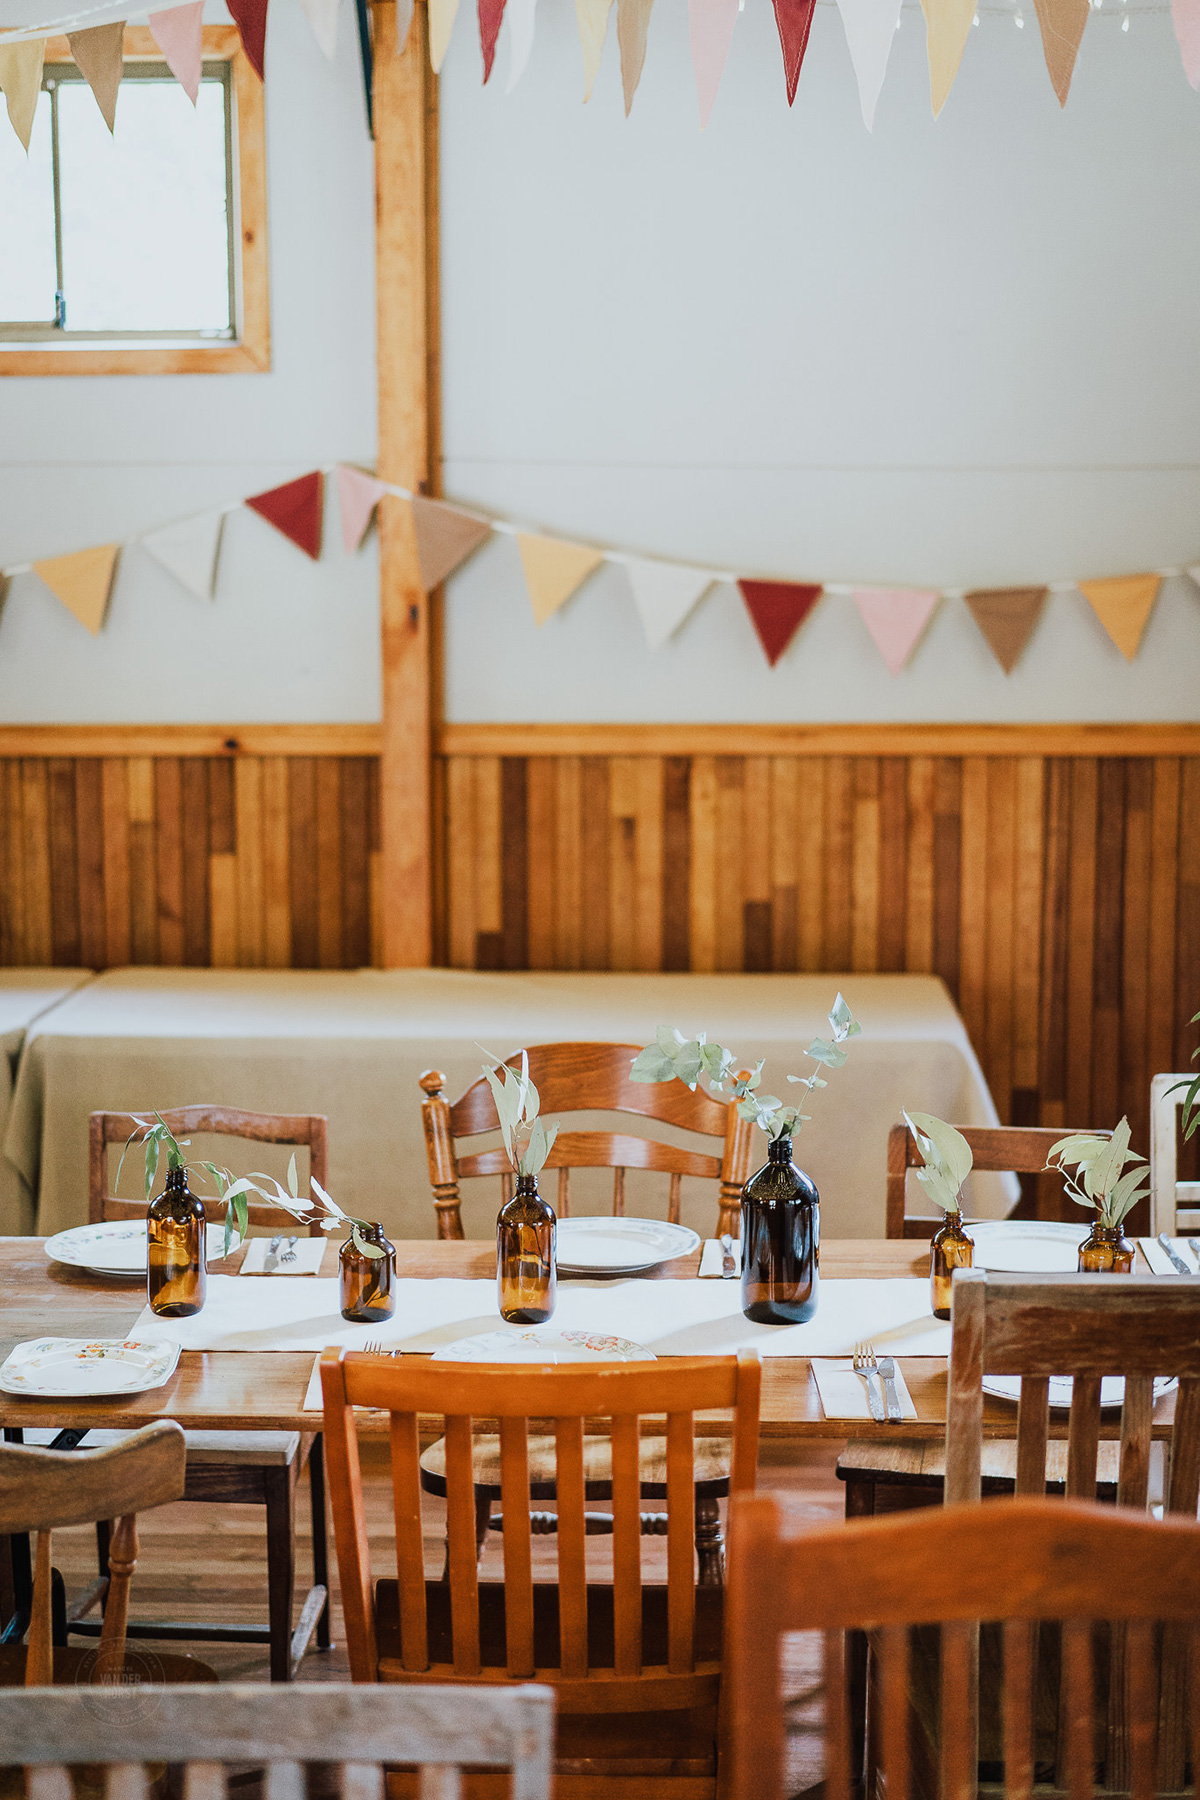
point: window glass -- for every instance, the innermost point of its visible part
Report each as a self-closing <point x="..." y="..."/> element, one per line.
<point x="27" y="265"/>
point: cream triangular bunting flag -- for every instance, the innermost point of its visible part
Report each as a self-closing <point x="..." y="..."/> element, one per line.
<point x="99" y="53"/>
<point x="323" y="17"/>
<point x="870" y="26"/>
<point x="520" y="38"/>
<point x="441" y="24"/>
<point x="445" y="538"/>
<point x="82" y="581"/>
<point x="947" y="28"/>
<point x="21" y="83"/>
<point x="554" y="568"/>
<point x="188" y="550"/>
<point x="1123" y="605"/>
<point x="664" y="594"/>
<point x="592" y="18"/>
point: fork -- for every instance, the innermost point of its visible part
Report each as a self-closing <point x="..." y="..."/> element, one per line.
<point x="375" y="1347"/>
<point x="288" y="1253"/>
<point x="865" y="1365"/>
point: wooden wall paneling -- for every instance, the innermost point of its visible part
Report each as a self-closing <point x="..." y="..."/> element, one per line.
<point x="703" y="895"/>
<point x="1085" y="788"/>
<point x="1001" y="825"/>
<point x="810" y="862"/>
<point x="757" y="910"/>
<point x="1027" y="921"/>
<point x="329" y="862"/>
<point x="648" y="863"/>
<point x="1135" y="934"/>
<point x="462" y="851"/>
<point x="355" y="804"/>
<point x="972" y="895"/>
<point x="675" y="888"/>
<point x="168" y="844"/>
<point x="1164" y="867"/>
<point x="35" y="848"/>
<point x="276" y="864"/>
<point x="193" y="783"/>
<point x="893" y="864"/>
<point x="543" y="852"/>
<point x="837" y="932"/>
<point x="947" y="870"/>
<point x="64" y="860"/>
<point x="11" y="934"/>
<point x="918" y="871"/>
<point x="251" y="892"/>
<point x="571" y="878"/>
<point x="118" y="917"/>
<point x="730" y="869"/>
<point x="514" y="863"/>
<point x="489" y="858"/>
<point x="1187" y="943"/>
<point x="302" y="818"/>
<point x="622" y="862"/>
<point x="864" y="866"/>
<point x="1108" y="937"/>
<point x="1052" y="984"/>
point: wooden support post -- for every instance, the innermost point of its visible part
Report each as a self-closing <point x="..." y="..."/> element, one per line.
<point x="406" y="305"/>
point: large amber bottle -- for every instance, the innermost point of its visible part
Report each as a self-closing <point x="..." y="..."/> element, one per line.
<point x="527" y="1256"/>
<point x="176" y="1264"/>
<point x="950" y="1249"/>
<point x="781" y="1241"/>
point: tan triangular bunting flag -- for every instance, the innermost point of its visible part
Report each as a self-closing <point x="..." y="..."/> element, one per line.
<point x="82" y="582"/>
<point x="554" y="568"/>
<point x="947" y="28"/>
<point x="445" y="538"/>
<point x="1123" y="605"/>
<point x="1006" y="617"/>
<point x="1062" y="23"/>
<point x="21" y="82"/>
<point x="100" y="55"/>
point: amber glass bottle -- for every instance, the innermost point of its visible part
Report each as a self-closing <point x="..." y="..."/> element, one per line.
<point x="781" y="1241"/>
<point x="1106" y="1251"/>
<point x="176" y="1265"/>
<point x="950" y="1249"/>
<point x="368" y="1282"/>
<point x="527" y="1256"/>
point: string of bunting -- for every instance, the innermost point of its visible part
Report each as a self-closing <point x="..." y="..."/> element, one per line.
<point x="664" y="593"/>
<point x="869" y="25"/>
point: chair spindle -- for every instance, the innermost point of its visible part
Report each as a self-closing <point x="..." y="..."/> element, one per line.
<point x="410" y="1541"/>
<point x="518" y="1551"/>
<point x="572" y="1548"/>
<point x="627" y="1547"/>
<point x="463" y="1554"/>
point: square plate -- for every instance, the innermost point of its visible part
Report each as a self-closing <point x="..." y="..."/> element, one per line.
<point x="76" y="1368"/>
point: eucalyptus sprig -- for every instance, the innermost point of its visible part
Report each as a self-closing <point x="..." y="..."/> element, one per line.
<point x="528" y="1141"/>
<point x="948" y="1159"/>
<point x="672" y="1057"/>
<point x="1191" y="1098"/>
<point x="1102" y="1183"/>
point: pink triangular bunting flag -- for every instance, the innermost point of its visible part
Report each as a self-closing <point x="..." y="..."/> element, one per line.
<point x="358" y="496"/>
<point x="445" y="538"/>
<point x="295" y="509"/>
<point x="777" y="610"/>
<point x="177" y="34"/>
<point x="1185" y="16"/>
<point x="794" y="21"/>
<point x="895" y="618"/>
<point x="710" y="29"/>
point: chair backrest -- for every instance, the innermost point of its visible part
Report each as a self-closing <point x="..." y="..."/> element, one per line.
<point x="43" y="1489"/>
<point x="1174" y="1204"/>
<point x="624" y="1678"/>
<point x="1013" y="1562"/>
<point x="996" y="1149"/>
<point x="588" y="1078"/>
<point x="358" y="1730"/>
<point x="107" y="1128"/>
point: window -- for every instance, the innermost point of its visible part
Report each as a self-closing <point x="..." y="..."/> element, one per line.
<point x="144" y="251"/>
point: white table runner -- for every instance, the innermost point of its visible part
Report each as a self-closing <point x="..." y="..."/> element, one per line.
<point x="672" y="1318"/>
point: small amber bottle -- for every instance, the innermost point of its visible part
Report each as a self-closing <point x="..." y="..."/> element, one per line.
<point x="527" y="1256"/>
<point x="368" y="1282"/>
<point x="176" y="1263"/>
<point x="951" y="1249"/>
<point x="1106" y="1251"/>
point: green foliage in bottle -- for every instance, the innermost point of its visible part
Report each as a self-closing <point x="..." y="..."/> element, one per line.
<point x="1102" y="1182"/>
<point x="948" y="1159"/>
<point x="527" y="1140"/>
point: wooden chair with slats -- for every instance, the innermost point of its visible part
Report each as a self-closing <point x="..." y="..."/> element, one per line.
<point x="1174" y="1204"/>
<point x="1046" y="1578"/>
<point x="241" y="1467"/>
<point x="636" y="1666"/>
<point x="996" y="1149"/>
<point x="283" y="1731"/>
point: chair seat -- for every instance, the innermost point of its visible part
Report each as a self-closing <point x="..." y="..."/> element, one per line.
<point x="924" y="1464"/>
<point x="711" y="1459"/>
<point x="250" y="1449"/>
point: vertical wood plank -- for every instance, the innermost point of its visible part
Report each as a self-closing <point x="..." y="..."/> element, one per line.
<point x="594" y="856"/>
<point x="1081" y="942"/>
<point x="514" y="861"/>
<point x="63" y="858"/>
<point x="947" y="871"/>
<point x="1164" y="868"/>
<point x="168" y="798"/>
<point x="1135" y="946"/>
<point x="302" y="861"/>
<point x="864" y="880"/>
<point x="973" y="907"/>
<point x="35" y="860"/>
<point x="356" y="863"/>
<point x="1107" y="969"/>
<point x="462" y="850"/>
<point x="892" y="884"/>
<point x="810" y="863"/>
<point x="703" y="910"/>
<point x="248" y="817"/>
<point x="143" y="875"/>
<point x="117" y="899"/>
<point x="193" y="784"/>
<point x="785" y="908"/>
<point x="489" y="904"/>
<point x="277" y="878"/>
<point x="675" y="887"/>
<point x="838" y="862"/>
<point x="541" y="854"/>
<point x="918" y="919"/>
<point x="89" y="835"/>
<point x="569" y="883"/>
<point x="622" y="862"/>
<point x="329" y="862"/>
<point x="731" y="863"/>
<point x="1027" y="922"/>
<point x="648" y="864"/>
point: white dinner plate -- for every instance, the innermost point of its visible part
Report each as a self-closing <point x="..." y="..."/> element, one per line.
<point x="619" y="1246"/>
<point x="117" y="1248"/>
<point x="543" y="1344"/>
<point x="1112" y="1388"/>
<point x="72" y="1368"/>
<point x="1027" y="1246"/>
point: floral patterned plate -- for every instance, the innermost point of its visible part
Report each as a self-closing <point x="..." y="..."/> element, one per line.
<point x="71" y="1368"/>
<point x="543" y="1344"/>
<point x="116" y="1248"/>
<point x="605" y="1246"/>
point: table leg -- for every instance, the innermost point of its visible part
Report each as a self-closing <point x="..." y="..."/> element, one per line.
<point x="860" y="1504"/>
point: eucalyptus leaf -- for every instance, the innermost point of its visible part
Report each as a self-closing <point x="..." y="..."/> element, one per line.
<point x="361" y="1244"/>
<point x="293" y="1179"/>
<point x="652" y="1064"/>
<point x="326" y="1200"/>
<point x="840" y="1017"/>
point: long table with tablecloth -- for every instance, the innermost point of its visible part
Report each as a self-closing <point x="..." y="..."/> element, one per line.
<point x="25" y="995"/>
<point x="352" y="1044"/>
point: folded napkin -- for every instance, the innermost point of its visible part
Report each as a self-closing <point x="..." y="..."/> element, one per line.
<point x="313" y="1400"/>
<point x="309" y="1255"/>
<point x="1161" y="1263"/>
<point x="712" y="1256"/>
<point x="844" y="1394"/>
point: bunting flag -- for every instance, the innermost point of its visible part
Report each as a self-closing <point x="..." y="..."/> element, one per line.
<point x="1006" y="617"/>
<point x="777" y="610"/>
<point x="896" y="618"/>
<point x="445" y="537"/>
<point x="1185" y="16"/>
<point x="554" y="569"/>
<point x="99" y="53"/>
<point x="82" y="581"/>
<point x="1061" y="23"/>
<point x="1123" y="606"/>
<point x="947" y="28"/>
<point x="664" y="594"/>
<point x="358" y="496"/>
<point x="250" y="17"/>
<point x="189" y="550"/>
<point x="323" y="17"/>
<point x="793" y="21"/>
<point x="296" y="509"/>
<point x="591" y="16"/>
<point x="491" y="13"/>
<point x="633" y="22"/>
<point x="710" y="30"/>
<point x="177" y="34"/>
<point x="21" y="83"/>
<point x="441" y="24"/>
<point x="521" y="16"/>
<point x="870" y="26"/>
<point x="404" y="16"/>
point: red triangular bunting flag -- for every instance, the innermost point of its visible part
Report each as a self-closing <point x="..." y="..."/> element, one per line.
<point x="491" y="12"/>
<point x="777" y="610"/>
<point x="250" y="17"/>
<point x="296" y="509"/>
<point x="794" y="19"/>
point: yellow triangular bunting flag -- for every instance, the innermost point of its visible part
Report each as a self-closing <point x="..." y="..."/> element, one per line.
<point x="554" y="568"/>
<point x="441" y="24"/>
<point x="1123" y="605"/>
<point x="591" y="16"/>
<point x="947" y="28"/>
<point x="82" y="582"/>
<point x="21" y="82"/>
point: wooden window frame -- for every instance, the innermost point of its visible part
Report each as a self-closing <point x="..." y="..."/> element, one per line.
<point x="250" y="351"/>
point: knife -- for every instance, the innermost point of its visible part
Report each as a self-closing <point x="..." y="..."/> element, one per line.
<point x="887" y="1372"/>
<point x="272" y="1256"/>
<point x="1177" y="1262"/>
<point x="1194" y="1247"/>
<point x="729" y="1265"/>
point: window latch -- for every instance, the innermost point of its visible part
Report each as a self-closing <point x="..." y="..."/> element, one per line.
<point x="60" y="310"/>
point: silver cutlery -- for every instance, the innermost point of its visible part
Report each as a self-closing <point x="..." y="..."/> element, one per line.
<point x="887" y="1370"/>
<point x="865" y="1365"/>
<point x="272" y="1255"/>
<point x="287" y="1253"/>
<point x="1177" y="1262"/>
<point x="729" y="1262"/>
<point x="1193" y="1245"/>
<point x="375" y="1347"/>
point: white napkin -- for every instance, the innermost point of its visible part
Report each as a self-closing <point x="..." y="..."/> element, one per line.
<point x="313" y="1399"/>
<point x="309" y="1255"/>
<point x="844" y="1394"/>
<point x="712" y="1256"/>
<point x="1160" y="1262"/>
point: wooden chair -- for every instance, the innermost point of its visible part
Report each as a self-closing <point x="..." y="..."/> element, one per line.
<point x="284" y="1729"/>
<point x="588" y="1078"/>
<point x="241" y="1467"/>
<point x="997" y="1150"/>
<point x="636" y="1667"/>
<point x="1015" y="1563"/>
<point x="1174" y="1205"/>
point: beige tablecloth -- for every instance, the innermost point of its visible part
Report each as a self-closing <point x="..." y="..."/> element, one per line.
<point x="25" y="995"/>
<point x="351" y="1045"/>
